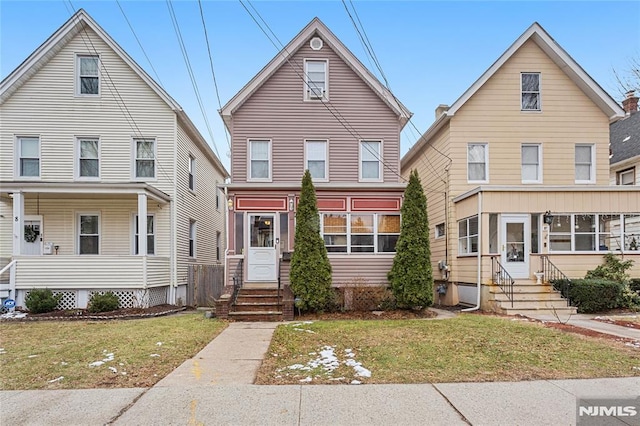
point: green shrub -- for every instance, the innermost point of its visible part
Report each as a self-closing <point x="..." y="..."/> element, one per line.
<point x="310" y="272"/>
<point x="103" y="302"/>
<point x="634" y="285"/>
<point x="594" y="295"/>
<point x="41" y="300"/>
<point x="613" y="269"/>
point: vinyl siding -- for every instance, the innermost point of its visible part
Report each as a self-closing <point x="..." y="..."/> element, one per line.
<point x="277" y="111"/>
<point x="373" y="269"/>
<point x="493" y="115"/>
<point x="199" y="205"/>
<point x="127" y="107"/>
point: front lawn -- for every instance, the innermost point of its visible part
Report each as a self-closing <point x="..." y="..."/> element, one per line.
<point x="466" y="348"/>
<point x="99" y="354"/>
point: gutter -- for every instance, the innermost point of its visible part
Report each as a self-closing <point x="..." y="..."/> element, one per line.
<point x="479" y="256"/>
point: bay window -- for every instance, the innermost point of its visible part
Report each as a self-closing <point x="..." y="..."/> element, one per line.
<point x="360" y="233"/>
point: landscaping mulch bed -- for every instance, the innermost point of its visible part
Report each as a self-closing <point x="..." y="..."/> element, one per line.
<point x="83" y="314"/>
<point x="397" y="314"/>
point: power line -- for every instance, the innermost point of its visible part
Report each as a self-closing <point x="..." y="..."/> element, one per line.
<point x="213" y="73"/>
<point x="332" y="109"/>
<point x="113" y="87"/>
<point x="139" y="44"/>
<point x="185" y="56"/>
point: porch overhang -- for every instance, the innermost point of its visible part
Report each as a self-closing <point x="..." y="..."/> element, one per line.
<point x="85" y="189"/>
<point x="319" y="186"/>
<point x="548" y="188"/>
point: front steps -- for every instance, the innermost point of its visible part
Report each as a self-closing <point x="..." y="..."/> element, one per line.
<point x="258" y="303"/>
<point x="530" y="299"/>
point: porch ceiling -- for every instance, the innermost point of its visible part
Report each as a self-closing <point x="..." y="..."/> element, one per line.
<point x="87" y="190"/>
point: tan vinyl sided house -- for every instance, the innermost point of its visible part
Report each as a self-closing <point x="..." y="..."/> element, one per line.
<point x="91" y="151"/>
<point x="316" y="107"/>
<point x="529" y="137"/>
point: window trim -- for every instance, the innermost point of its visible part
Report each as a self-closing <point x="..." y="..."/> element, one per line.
<point x="192" y="168"/>
<point x="348" y="234"/>
<point x="134" y="223"/>
<point x="468" y="237"/>
<point x="539" y="164"/>
<point x="326" y="158"/>
<point x="486" y="162"/>
<point x="77" y="159"/>
<point x="631" y="170"/>
<point x="18" y="157"/>
<point x="134" y="159"/>
<point x="249" y="159"/>
<point x="78" y="76"/>
<point x="539" y="92"/>
<point x="380" y="158"/>
<point x="439" y="234"/>
<point x="193" y="239"/>
<point x="305" y="83"/>
<point x="592" y="168"/>
<point x="79" y="214"/>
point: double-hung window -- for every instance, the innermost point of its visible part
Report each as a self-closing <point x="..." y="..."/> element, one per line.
<point x="315" y="79"/>
<point x="530" y="86"/>
<point x="316" y="159"/>
<point x="29" y="157"/>
<point x="626" y="177"/>
<point x="88" y="75"/>
<point x="362" y="233"/>
<point x="371" y="161"/>
<point x="88" y="158"/>
<point x="151" y="249"/>
<point x="192" y="173"/>
<point x="334" y="228"/>
<point x="260" y="160"/>
<point x="145" y="155"/>
<point x="388" y="232"/>
<point x="477" y="164"/>
<point x="584" y="163"/>
<point x="468" y="235"/>
<point x="531" y="163"/>
<point x="88" y="233"/>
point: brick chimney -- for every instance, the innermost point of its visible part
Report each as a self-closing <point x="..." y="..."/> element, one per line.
<point x="630" y="104"/>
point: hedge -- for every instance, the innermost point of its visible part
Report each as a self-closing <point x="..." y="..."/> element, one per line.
<point x="592" y="295"/>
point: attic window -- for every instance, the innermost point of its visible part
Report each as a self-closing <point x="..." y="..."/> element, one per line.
<point x="316" y="43"/>
<point x="88" y="75"/>
<point x="530" y="85"/>
<point x="316" y="79"/>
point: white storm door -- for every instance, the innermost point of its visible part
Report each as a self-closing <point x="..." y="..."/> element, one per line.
<point x="261" y="261"/>
<point x="515" y="245"/>
<point x="32" y="240"/>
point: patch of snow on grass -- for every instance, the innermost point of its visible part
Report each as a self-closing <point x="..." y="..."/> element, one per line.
<point x="113" y="369"/>
<point x="306" y="380"/>
<point x="96" y="364"/>
<point x="32" y="356"/>
<point x="358" y="368"/>
<point x="55" y="380"/>
<point x="356" y="382"/>
<point x="154" y="355"/>
<point x="159" y="344"/>
<point x="329" y="362"/>
<point x="307" y="331"/>
<point x="13" y="315"/>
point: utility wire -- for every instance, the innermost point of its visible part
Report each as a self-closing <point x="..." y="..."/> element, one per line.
<point x="185" y="56"/>
<point x="300" y="73"/>
<point x="213" y="73"/>
<point x="139" y="43"/>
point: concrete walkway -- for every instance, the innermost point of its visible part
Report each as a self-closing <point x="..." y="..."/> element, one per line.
<point x="588" y="321"/>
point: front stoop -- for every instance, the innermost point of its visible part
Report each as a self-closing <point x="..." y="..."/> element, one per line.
<point x="261" y="304"/>
<point x="531" y="299"/>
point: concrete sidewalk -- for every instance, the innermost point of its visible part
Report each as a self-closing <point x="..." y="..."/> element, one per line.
<point x="546" y="402"/>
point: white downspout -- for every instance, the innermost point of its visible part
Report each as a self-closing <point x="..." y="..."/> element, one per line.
<point x="479" y="256"/>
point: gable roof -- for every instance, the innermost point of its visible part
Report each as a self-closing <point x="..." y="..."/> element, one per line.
<point x="624" y="136"/>
<point x="59" y="39"/>
<point x="557" y="54"/>
<point x="315" y="27"/>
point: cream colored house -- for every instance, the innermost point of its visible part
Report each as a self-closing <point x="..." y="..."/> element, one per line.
<point x="516" y="173"/>
<point x="92" y="151"/>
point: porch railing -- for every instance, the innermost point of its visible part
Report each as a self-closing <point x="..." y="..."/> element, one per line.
<point x="237" y="281"/>
<point x="553" y="275"/>
<point x="501" y="278"/>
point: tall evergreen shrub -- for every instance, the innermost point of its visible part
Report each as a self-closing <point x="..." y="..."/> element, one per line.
<point x="411" y="276"/>
<point x="310" y="273"/>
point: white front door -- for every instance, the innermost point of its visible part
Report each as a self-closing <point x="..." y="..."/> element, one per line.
<point x="516" y="232"/>
<point x="32" y="240"/>
<point x="261" y="261"/>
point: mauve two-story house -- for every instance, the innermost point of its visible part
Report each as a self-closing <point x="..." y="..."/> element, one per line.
<point x="316" y="107"/>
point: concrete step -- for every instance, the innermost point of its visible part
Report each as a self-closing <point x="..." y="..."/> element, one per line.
<point x="256" y="316"/>
<point x="259" y="291"/>
<point x="258" y="298"/>
<point x="532" y="304"/>
<point x="259" y="285"/>
<point x="529" y="296"/>
<point x="561" y="312"/>
<point x="256" y="307"/>
<point x="525" y="288"/>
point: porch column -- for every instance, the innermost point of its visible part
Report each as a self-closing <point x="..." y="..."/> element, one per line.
<point x="18" y="222"/>
<point x="142" y="224"/>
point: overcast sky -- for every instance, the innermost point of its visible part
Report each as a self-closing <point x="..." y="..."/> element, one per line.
<point x="430" y="51"/>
